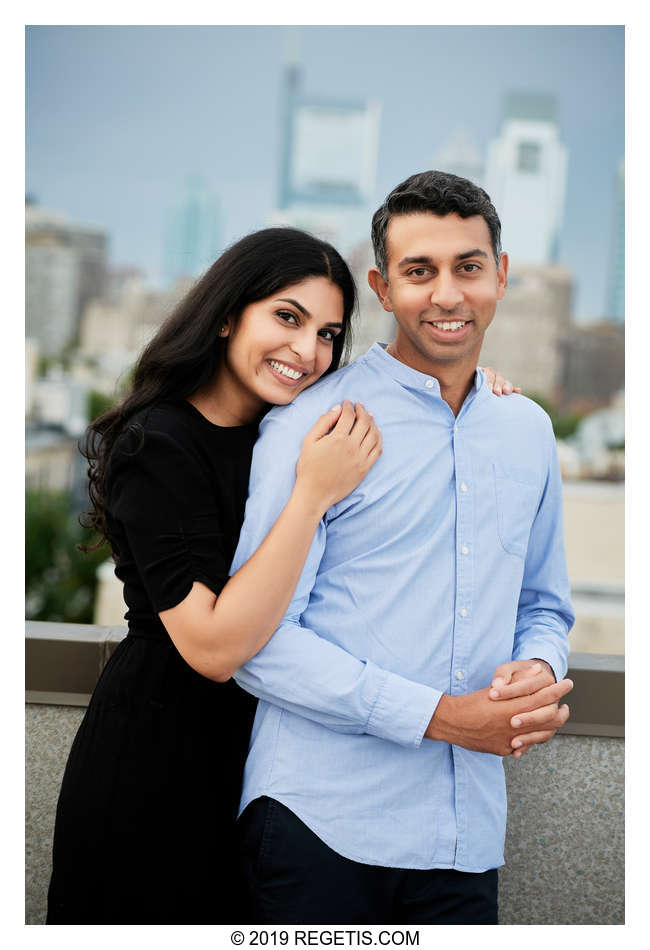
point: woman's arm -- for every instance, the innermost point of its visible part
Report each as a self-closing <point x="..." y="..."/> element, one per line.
<point x="217" y="634"/>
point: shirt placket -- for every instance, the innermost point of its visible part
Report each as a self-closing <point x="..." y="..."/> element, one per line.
<point x="464" y="615"/>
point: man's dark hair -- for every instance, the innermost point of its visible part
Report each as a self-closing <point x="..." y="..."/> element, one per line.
<point x="440" y="193"/>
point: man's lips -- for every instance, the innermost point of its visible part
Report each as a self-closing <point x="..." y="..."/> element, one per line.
<point x="448" y="330"/>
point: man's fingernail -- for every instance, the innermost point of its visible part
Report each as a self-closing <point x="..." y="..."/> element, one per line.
<point x="517" y="743"/>
<point x="335" y="408"/>
<point x="516" y="722"/>
<point x="498" y="681"/>
<point x="494" y="694"/>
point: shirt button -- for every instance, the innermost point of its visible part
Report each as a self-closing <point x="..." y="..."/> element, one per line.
<point x="463" y="486"/>
<point x="455" y="428"/>
<point x="464" y="549"/>
<point x="463" y="612"/>
<point x="459" y="675"/>
<point x="429" y="384"/>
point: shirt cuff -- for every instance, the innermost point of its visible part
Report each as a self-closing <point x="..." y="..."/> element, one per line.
<point x="402" y="710"/>
<point x="544" y="651"/>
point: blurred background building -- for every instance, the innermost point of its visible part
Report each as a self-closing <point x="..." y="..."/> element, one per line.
<point x="281" y="137"/>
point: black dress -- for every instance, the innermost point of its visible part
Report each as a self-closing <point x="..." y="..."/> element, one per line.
<point x="146" y="815"/>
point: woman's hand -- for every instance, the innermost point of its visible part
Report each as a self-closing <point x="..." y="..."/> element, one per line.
<point x="498" y="382"/>
<point x="337" y="453"/>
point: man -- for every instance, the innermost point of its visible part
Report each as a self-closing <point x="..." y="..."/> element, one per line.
<point x="429" y="627"/>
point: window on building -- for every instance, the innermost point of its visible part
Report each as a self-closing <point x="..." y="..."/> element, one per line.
<point x="528" y="157"/>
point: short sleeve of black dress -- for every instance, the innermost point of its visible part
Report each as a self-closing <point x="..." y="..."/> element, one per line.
<point x="175" y="500"/>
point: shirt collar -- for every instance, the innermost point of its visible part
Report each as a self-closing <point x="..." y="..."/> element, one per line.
<point x="412" y="378"/>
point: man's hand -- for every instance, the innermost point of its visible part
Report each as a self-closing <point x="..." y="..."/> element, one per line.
<point x="523" y="678"/>
<point x="476" y="722"/>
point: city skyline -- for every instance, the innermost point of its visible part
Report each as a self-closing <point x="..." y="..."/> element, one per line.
<point x="102" y="149"/>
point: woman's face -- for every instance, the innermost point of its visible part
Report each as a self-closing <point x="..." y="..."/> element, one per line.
<point x="283" y="344"/>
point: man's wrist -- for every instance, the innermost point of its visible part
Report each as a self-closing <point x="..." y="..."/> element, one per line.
<point x="441" y="723"/>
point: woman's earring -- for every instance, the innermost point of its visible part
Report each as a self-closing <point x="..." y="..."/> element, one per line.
<point x="223" y="331"/>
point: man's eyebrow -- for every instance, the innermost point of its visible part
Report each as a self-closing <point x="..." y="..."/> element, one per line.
<point x="422" y="259"/>
<point x="305" y="312"/>
<point x="476" y="252"/>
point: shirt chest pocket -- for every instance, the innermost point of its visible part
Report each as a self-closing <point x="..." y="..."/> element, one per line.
<point x="517" y="498"/>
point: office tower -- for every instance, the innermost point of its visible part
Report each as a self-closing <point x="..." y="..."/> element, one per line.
<point x="460" y="156"/>
<point x="192" y="239"/>
<point x="328" y="162"/>
<point x="526" y="178"/>
<point x="64" y="268"/>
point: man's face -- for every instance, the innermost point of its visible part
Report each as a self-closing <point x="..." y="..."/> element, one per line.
<point x="443" y="286"/>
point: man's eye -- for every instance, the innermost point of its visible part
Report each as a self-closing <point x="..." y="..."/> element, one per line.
<point x="470" y="268"/>
<point x="418" y="272"/>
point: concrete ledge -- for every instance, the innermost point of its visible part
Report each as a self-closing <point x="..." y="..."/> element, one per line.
<point x="64" y="662"/>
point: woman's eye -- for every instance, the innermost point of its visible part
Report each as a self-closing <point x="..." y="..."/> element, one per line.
<point x="287" y="316"/>
<point x="328" y="335"/>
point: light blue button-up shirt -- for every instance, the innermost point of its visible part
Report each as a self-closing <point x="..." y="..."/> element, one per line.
<point x="447" y="560"/>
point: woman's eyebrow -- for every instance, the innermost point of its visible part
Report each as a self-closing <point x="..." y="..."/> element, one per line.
<point x="297" y="305"/>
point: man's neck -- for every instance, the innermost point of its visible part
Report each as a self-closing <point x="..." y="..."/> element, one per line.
<point x="456" y="379"/>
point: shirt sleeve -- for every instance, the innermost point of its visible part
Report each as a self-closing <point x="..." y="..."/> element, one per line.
<point x="168" y="512"/>
<point x="302" y="670"/>
<point x="545" y="614"/>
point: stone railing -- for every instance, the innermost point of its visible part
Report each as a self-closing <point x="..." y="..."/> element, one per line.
<point x="565" y="842"/>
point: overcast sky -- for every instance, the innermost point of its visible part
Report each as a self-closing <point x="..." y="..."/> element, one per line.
<point x="118" y="117"/>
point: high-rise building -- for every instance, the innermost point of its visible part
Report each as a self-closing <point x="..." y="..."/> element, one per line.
<point x="64" y="269"/>
<point x="192" y="240"/>
<point x="460" y="156"/>
<point x="373" y="322"/>
<point x="525" y="339"/>
<point x="526" y="178"/>
<point x="616" y="284"/>
<point x="328" y="162"/>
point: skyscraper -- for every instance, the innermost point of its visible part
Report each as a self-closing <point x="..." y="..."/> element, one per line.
<point x="526" y="177"/>
<point x="64" y="268"/>
<point x="192" y="240"/>
<point x="328" y="161"/>
<point x="460" y="156"/>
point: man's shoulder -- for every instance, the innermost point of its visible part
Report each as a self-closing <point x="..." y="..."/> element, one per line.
<point x="517" y="408"/>
<point x="314" y="401"/>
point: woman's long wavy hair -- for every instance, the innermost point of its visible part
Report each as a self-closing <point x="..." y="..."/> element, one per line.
<point x="187" y="350"/>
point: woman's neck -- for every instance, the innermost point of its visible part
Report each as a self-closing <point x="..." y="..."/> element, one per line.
<point x="225" y="404"/>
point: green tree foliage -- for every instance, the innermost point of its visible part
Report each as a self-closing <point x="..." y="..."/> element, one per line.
<point x="60" y="579"/>
<point x="98" y="404"/>
<point x="564" y="424"/>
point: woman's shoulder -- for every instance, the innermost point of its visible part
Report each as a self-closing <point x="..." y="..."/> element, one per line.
<point x="163" y="431"/>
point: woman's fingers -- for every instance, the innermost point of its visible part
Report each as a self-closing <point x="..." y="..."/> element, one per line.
<point x="346" y="420"/>
<point x="324" y="425"/>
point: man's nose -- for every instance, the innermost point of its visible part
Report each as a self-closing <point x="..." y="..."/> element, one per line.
<point x="446" y="293"/>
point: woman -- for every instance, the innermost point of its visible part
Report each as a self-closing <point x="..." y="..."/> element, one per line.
<point x="145" y="822"/>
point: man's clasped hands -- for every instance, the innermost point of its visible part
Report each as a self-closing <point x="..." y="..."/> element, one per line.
<point x="518" y="710"/>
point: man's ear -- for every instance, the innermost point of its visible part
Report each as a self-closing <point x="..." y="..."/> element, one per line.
<point x="502" y="276"/>
<point x="381" y="288"/>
